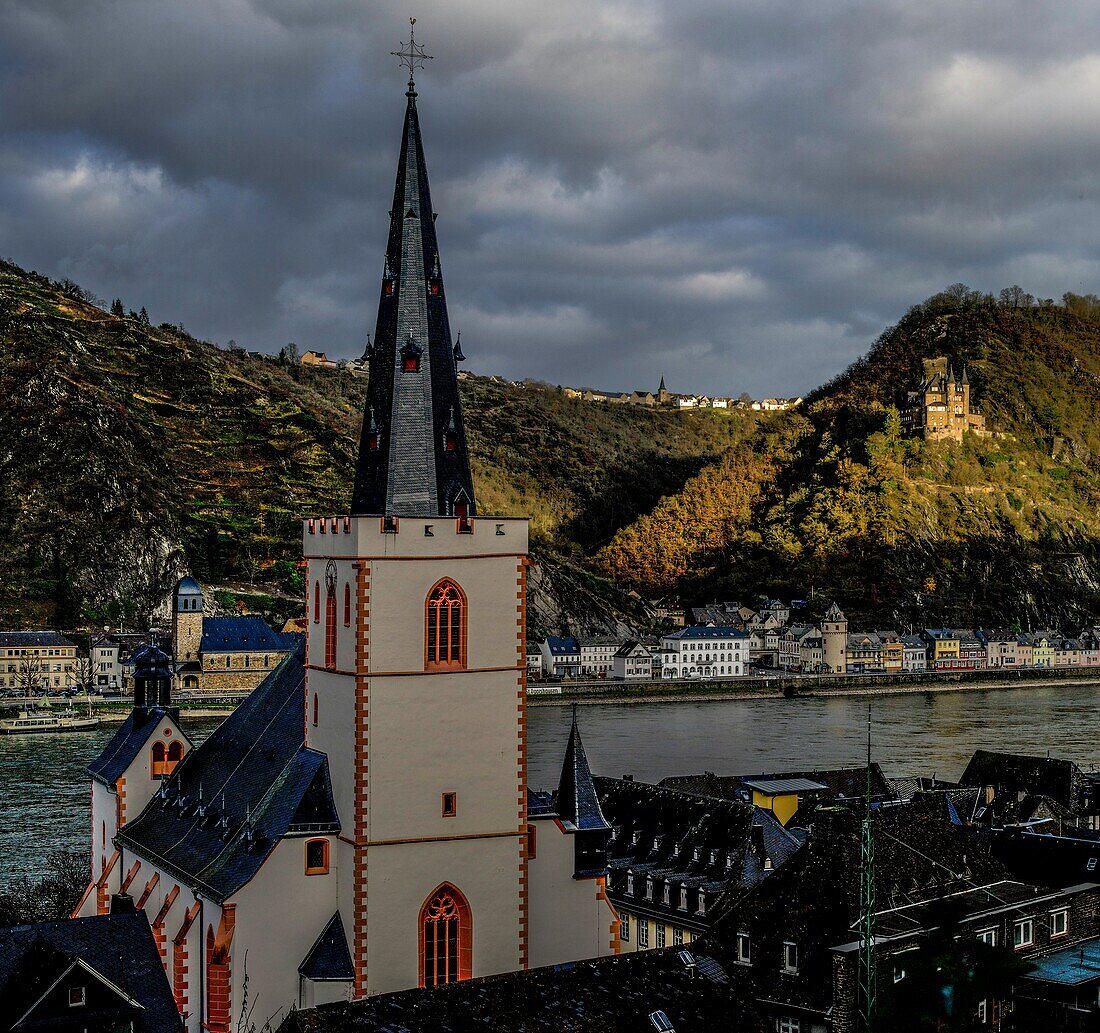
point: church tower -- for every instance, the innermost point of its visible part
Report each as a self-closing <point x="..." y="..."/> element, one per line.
<point x="187" y="612"/>
<point x="415" y="663"/>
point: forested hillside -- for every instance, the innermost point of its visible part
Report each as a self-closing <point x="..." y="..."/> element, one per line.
<point x="833" y="500"/>
<point x="129" y="453"/>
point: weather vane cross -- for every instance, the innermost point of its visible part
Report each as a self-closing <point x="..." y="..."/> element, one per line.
<point x="412" y="53"/>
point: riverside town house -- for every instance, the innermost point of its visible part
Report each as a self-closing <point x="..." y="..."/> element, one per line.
<point x="361" y="824"/>
<point x="36" y="661"/>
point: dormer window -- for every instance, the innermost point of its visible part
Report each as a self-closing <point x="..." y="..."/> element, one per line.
<point x="374" y="438"/>
<point x="702" y="909"/>
<point x="697" y="854"/>
<point x="665" y="894"/>
<point x="410" y="356"/>
<point x="649" y="889"/>
<point x="635" y="839"/>
<point x="630" y="884"/>
<point x="683" y="898"/>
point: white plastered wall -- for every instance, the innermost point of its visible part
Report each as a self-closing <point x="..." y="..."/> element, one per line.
<point x="570" y="919"/>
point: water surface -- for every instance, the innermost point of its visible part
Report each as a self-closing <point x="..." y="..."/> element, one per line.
<point x="44" y="790"/>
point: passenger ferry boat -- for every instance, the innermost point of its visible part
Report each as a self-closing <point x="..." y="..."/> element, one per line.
<point x="37" y="721"/>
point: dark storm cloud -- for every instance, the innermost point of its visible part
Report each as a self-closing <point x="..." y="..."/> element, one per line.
<point x="736" y="195"/>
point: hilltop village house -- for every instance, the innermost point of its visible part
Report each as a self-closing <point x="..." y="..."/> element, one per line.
<point x="221" y="654"/>
<point x="939" y="408"/>
<point x="361" y="823"/>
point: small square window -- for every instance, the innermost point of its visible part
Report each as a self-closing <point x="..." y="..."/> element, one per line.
<point x="450" y="805"/>
<point x="317" y="857"/>
<point x="988" y="936"/>
<point x="1059" y="923"/>
<point x="78" y="995"/>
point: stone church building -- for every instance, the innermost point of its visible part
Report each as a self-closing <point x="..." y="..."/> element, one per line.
<point x="221" y="654"/>
<point x="362" y="822"/>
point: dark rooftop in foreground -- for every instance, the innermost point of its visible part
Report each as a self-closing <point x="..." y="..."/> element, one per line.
<point x="611" y="995"/>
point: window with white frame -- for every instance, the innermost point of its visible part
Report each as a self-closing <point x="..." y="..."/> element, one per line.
<point x="789" y="1024"/>
<point x="683" y="898"/>
<point x="790" y="957"/>
<point x="1059" y="922"/>
<point x="1023" y="933"/>
<point x="988" y="936"/>
<point x="630" y="884"/>
<point x="649" y="889"/>
<point x="643" y="932"/>
<point x="899" y="973"/>
<point x="677" y="936"/>
<point x="660" y="934"/>
<point x="744" y="949"/>
<point x="624" y="928"/>
<point x="983" y="1011"/>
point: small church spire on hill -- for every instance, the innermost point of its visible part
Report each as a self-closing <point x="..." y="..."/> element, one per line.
<point x="413" y="459"/>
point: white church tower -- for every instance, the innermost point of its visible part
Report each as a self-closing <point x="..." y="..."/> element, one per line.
<point x="415" y="663"/>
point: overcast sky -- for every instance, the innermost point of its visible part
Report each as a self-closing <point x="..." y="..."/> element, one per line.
<point x="737" y="195"/>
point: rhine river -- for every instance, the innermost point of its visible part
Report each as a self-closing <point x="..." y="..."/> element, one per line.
<point x="44" y="791"/>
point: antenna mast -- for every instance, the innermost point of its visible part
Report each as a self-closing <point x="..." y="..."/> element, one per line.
<point x="867" y="966"/>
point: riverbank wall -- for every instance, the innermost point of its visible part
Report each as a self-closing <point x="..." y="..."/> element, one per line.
<point x="816" y="686"/>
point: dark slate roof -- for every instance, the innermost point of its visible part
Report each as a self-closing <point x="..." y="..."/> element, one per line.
<point x="611" y="995"/>
<point x="694" y="632"/>
<point x="125" y="744"/>
<point x="814" y="899"/>
<point x="33" y="638"/>
<point x="119" y="947"/>
<point x="405" y="466"/>
<point x="562" y="645"/>
<point x="719" y="847"/>
<point x="241" y="635"/>
<point x="839" y="783"/>
<point x="187" y="585"/>
<point x="258" y="782"/>
<point x="1061" y="780"/>
<point x="329" y="958"/>
<point x="576" y="802"/>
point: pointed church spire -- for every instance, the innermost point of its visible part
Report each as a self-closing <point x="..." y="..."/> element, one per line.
<point x="410" y="462"/>
<point x="576" y="802"/>
<point x="966" y="377"/>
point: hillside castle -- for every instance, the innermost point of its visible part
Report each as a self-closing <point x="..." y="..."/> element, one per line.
<point x="940" y="408"/>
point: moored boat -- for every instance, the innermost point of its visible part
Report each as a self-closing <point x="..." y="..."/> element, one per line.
<point x="29" y="722"/>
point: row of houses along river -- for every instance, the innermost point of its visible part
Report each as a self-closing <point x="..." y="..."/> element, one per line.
<point x="45" y="791"/>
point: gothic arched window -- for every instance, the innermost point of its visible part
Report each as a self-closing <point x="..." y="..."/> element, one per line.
<point x="330" y="616"/>
<point x="446" y="626"/>
<point x="445" y="938"/>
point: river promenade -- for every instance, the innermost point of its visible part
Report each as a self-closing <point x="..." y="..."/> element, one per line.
<point x="804" y="686"/>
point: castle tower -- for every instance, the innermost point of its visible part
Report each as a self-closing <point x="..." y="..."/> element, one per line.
<point x="834" y="640"/>
<point x="415" y="664"/>
<point x="187" y="609"/>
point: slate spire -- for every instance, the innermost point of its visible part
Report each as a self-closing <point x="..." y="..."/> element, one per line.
<point x="577" y="802"/>
<point x="413" y="459"/>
